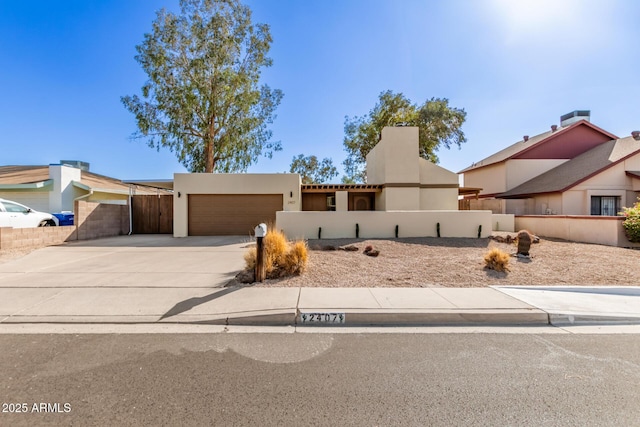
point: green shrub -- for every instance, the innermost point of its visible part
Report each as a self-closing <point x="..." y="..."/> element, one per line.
<point x="631" y="223"/>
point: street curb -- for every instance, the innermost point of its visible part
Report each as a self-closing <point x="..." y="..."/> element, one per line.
<point x="416" y="317"/>
<point x="564" y="319"/>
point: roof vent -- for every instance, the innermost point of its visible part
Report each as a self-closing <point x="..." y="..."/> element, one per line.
<point x="554" y="128"/>
<point x="78" y="164"/>
<point x="575" y="116"/>
<point x="525" y="138"/>
<point x="636" y="135"/>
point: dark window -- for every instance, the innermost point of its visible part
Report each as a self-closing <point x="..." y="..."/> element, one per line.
<point x="331" y="203"/>
<point x="605" y="205"/>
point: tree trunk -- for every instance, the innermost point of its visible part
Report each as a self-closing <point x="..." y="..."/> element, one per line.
<point x="209" y="163"/>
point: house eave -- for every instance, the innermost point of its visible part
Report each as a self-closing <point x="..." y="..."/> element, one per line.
<point x="46" y="185"/>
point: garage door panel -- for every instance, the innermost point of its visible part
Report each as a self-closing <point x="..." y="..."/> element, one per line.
<point x="231" y="214"/>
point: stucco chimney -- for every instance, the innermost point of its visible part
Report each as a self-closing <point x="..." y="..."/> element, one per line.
<point x="554" y="128"/>
<point x="525" y="138"/>
<point x="636" y="135"/>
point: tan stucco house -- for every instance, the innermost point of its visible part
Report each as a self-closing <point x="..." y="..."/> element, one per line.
<point x="574" y="169"/>
<point x="404" y="194"/>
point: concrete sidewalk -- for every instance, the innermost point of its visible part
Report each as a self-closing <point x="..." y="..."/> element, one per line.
<point x="322" y="306"/>
<point x="157" y="279"/>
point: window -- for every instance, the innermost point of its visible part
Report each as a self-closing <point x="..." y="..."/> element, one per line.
<point x="13" y="207"/>
<point x="331" y="203"/>
<point x="605" y="205"/>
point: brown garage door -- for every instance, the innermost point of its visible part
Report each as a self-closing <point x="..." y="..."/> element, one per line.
<point x="231" y="214"/>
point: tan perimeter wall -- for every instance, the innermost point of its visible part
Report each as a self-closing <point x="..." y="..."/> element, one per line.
<point x="92" y="221"/>
<point x="377" y="224"/>
<point x="603" y="230"/>
<point x="503" y="222"/>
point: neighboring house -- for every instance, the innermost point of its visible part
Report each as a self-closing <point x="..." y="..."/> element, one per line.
<point x="409" y="193"/>
<point x="575" y="169"/>
<point x="55" y="187"/>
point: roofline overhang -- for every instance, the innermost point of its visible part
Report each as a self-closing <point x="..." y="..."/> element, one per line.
<point x="633" y="174"/>
<point x="580" y="181"/>
<point x="351" y="188"/>
<point x="525" y="195"/>
<point x="166" y="184"/>
<point x="547" y="139"/>
<point x="99" y="190"/>
<point x="40" y="185"/>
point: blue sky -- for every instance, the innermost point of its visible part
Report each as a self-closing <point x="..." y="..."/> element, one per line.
<point x="515" y="66"/>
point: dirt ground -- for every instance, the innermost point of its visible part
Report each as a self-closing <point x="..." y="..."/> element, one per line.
<point x="459" y="262"/>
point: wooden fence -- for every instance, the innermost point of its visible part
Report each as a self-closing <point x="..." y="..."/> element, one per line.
<point x="152" y="214"/>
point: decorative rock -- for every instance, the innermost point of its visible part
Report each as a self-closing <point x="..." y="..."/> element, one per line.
<point x="329" y="248"/>
<point x="246" y="276"/>
<point x="349" y="248"/>
<point x="524" y="242"/>
<point x="369" y="251"/>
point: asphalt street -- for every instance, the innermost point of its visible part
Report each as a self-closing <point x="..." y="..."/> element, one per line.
<point x="319" y="379"/>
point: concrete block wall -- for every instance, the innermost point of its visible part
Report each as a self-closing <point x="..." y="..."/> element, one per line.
<point x="30" y="238"/>
<point x="92" y="221"/>
<point x="95" y="220"/>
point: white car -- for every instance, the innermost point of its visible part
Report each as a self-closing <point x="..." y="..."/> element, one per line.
<point x="15" y="215"/>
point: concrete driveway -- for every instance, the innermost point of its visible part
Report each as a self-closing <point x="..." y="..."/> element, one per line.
<point x="147" y="261"/>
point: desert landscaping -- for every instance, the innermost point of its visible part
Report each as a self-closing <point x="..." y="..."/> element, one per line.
<point x="458" y="262"/>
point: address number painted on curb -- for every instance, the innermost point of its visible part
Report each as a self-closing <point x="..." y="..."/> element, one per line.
<point x="322" y="317"/>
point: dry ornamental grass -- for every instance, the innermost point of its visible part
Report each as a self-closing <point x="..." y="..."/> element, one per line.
<point x="459" y="262"/>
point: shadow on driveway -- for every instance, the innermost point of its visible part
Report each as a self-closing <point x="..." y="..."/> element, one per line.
<point x="188" y="304"/>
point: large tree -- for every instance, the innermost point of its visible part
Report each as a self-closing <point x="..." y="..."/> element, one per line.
<point x="439" y="125"/>
<point x="203" y="99"/>
<point x="313" y="171"/>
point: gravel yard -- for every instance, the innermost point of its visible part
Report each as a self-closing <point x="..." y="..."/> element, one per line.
<point x="458" y="262"/>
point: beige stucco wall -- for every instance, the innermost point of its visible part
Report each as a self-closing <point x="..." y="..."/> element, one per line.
<point x="503" y="222"/>
<point x="216" y="183"/>
<point x="376" y="224"/>
<point x="394" y="158"/>
<point x="633" y="162"/>
<point x="588" y="229"/>
<point x="519" y="171"/>
<point x="492" y="179"/>
<point x="431" y="174"/>
<point x="551" y="203"/>
<point x="438" y="198"/>
<point x="342" y="200"/>
<point x="574" y="202"/>
<point x="63" y="194"/>
<point x="399" y="199"/>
